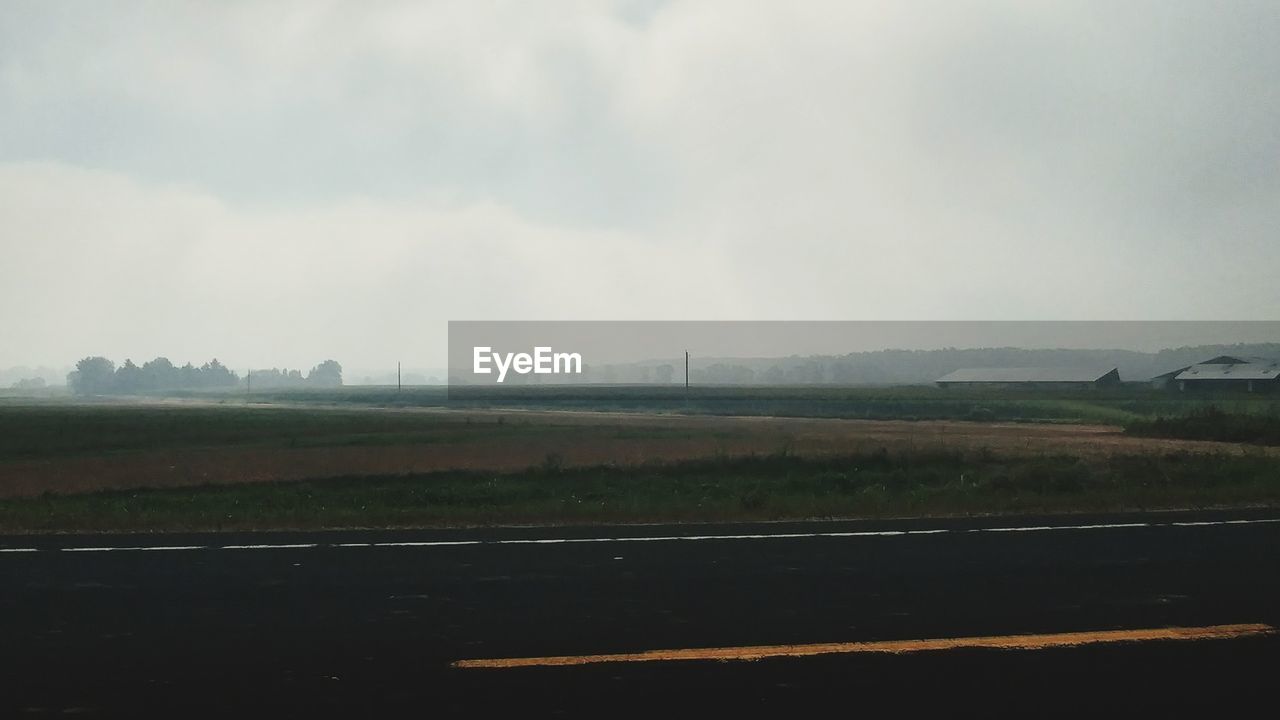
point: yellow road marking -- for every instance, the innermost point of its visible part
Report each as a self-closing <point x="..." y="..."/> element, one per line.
<point x="1001" y="642"/>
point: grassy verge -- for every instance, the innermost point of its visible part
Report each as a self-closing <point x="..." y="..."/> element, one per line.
<point x="1212" y="423"/>
<point x="873" y="484"/>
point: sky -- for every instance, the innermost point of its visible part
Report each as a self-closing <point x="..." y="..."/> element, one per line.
<point x="276" y="183"/>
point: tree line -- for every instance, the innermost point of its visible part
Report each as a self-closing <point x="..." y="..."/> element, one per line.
<point x="98" y="375"/>
<point x="326" y="374"/>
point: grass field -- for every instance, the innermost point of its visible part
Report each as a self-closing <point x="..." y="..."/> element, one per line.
<point x="1212" y="423"/>
<point x="1115" y="406"/>
<point x="781" y="486"/>
<point x="354" y="457"/>
<point x="66" y="430"/>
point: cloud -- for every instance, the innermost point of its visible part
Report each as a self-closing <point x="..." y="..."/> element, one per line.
<point x="99" y="263"/>
<point x="322" y="177"/>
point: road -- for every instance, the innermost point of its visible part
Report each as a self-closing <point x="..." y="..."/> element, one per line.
<point x="367" y="623"/>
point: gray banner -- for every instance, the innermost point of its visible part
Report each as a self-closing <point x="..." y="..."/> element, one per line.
<point x="829" y="352"/>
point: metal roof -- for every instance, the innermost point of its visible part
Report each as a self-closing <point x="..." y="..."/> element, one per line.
<point x="1171" y="373"/>
<point x="1262" y="369"/>
<point x="1238" y="360"/>
<point x="1026" y="374"/>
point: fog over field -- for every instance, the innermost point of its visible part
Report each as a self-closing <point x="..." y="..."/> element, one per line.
<point x="275" y="183"/>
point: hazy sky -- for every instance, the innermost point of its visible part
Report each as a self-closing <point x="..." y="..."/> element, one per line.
<point x="276" y="183"/>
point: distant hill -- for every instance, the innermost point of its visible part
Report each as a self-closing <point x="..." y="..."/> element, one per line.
<point x="908" y="366"/>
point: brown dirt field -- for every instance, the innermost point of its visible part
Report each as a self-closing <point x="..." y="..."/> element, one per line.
<point x="709" y="436"/>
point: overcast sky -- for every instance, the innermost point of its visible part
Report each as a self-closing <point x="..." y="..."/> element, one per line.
<point x="277" y="183"/>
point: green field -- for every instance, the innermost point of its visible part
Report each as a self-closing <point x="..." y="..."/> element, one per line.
<point x="36" y="431"/>
<point x="774" y="487"/>
<point x="59" y="428"/>
<point x="1212" y="423"/>
<point x="1115" y="406"/>
<point x="713" y="469"/>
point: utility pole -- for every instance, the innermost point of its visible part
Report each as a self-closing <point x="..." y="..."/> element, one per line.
<point x="397" y="376"/>
<point x="686" y="371"/>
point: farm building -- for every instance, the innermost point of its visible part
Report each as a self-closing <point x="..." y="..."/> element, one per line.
<point x="1225" y="372"/>
<point x="1031" y="377"/>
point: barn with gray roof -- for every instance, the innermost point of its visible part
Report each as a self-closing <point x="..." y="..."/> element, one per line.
<point x="1225" y="372"/>
<point x="1031" y="377"/>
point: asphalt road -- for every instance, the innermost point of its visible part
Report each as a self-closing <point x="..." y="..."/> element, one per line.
<point x="349" y="624"/>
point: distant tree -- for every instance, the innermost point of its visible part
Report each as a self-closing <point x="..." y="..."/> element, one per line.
<point x="92" y="376"/>
<point x="128" y="378"/>
<point x="728" y="374"/>
<point x="326" y="374"/>
<point x="36" y="383"/>
<point x="214" y="374"/>
<point x="160" y="374"/>
<point x="98" y="375"/>
<point x="773" y="376"/>
<point x="807" y="371"/>
<point x="188" y="376"/>
<point x="278" y="378"/>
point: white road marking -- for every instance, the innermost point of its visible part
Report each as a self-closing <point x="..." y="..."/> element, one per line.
<point x="428" y="543"/>
<point x="1040" y="528"/>
<point x="268" y="547"/>
<point x="1222" y="522"/>
<point x="129" y="548"/>
<point x="641" y="538"/>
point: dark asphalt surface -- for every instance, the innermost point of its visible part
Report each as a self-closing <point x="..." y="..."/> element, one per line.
<point x="370" y="631"/>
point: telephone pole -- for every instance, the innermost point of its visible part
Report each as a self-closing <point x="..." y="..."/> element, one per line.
<point x="397" y="376"/>
<point x="686" y="371"/>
